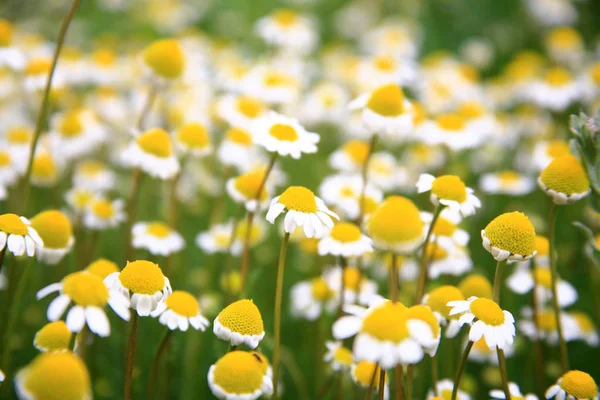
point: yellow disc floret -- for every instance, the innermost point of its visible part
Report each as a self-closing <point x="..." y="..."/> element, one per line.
<point x="183" y="303"/>
<point x="251" y="107"/>
<point x="558" y="76"/>
<point x="451" y="122"/>
<point x="6" y="32"/>
<point x="342" y="356"/>
<point x="542" y="277"/>
<point x="299" y="198"/>
<point x="565" y="175"/>
<point x="19" y="135"/>
<point x="239" y="372"/>
<point x="193" y="135"/>
<point x="345" y="232"/>
<point x="449" y="187"/>
<point x="44" y="167"/>
<point x="85" y="289"/>
<point x="387" y="101"/>
<point x="11" y="224"/>
<point x="285" y="17"/>
<point x="357" y="150"/>
<point x="320" y="289"/>
<point x="142" y="277"/>
<point x="54" y="228"/>
<point x="102" y="268"/>
<point x="584" y="321"/>
<point x="512" y="232"/>
<point x="283" y="132"/>
<point x="249" y="183"/>
<point x="158" y="229"/>
<point x="439" y="298"/>
<point x="487" y="311"/>
<point x="239" y="136"/>
<point x="542" y="246"/>
<point x="444" y="227"/>
<point x="424" y="313"/>
<point x="155" y="141"/>
<point x="396" y="220"/>
<point x="364" y="371"/>
<point x="70" y="125"/>
<point x="242" y="317"/>
<point x="579" y="385"/>
<point x="387" y="323"/>
<point x="476" y="285"/>
<point x="165" y="58"/>
<point x="352" y="278"/>
<point x="471" y="110"/>
<point x="53" y="336"/>
<point x="557" y="148"/>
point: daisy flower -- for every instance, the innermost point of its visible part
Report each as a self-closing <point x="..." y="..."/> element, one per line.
<point x="18" y="236"/>
<point x="101" y="213"/>
<point x="524" y="279"/>
<point x="424" y="323"/>
<point x="487" y="320"/>
<point x="33" y="383"/>
<point x="424" y="157"/>
<point x="103" y="67"/>
<point x="18" y="140"/>
<point x="345" y="239"/>
<point x="241" y="110"/>
<point x="556" y="90"/>
<point x="586" y="329"/>
<point x="237" y="149"/>
<point x="102" y="268"/>
<point x="164" y="59"/>
<point x="143" y="283"/>
<point x="90" y="296"/>
<point x="339" y="356"/>
<point x="244" y="189"/>
<point x="93" y="175"/>
<point x="364" y="372"/>
<point x="386" y="111"/>
<point x="325" y="104"/>
<point x="451" y="130"/>
<point x="10" y="168"/>
<point x="288" y="30"/>
<point x="447" y="259"/>
<point x="450" y="191"/>
<point x="302" y="208"/>
<point x="309" y="298"/>
<point x="481" y="353"/>
<point x="9" y="56"/>
<point x="394" y="37"/>
<point x="45" y="169"/>
<point x="156" y="237"/>
<point x="152" y="152"/>
<point x="343" y="193"/>
<point x="36" y="73"/>
<point x="192" y="138"/>
<point x="284" y="136"/>
<point x="351" y="157"/>
<point x="506" y="182"/>
<point x="510" y="236"/>
<point x="396" y="226"/>
<point x="565" y="180"/>
<point x="56" y="232"/>
<point x="240" y="375"/>
<point x="446" y="230"/>
<point x="78" y="199"/>
<point x="385" y="68"/>
<point x="75" y="133"/>
<point x="476" y="285"/>
<point x="444" y="389"/>
<point x="479" y="120"/>
<point x="358" y="289"/>
<point x="553" y="12"/>
<point x="179" y="310"/>
<point x="545" y="328"/>
<point x="565" y="45"/>
<point x="54" y="336"/>
<point x="217" y="239"/>
<point x="574" y="385"/>
<point x="240" y="323"/>
<point x="546" y="151"/>
<point x="438" y="300"/>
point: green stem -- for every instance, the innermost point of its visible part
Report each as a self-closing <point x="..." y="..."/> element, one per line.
<point x="434" y="373"/>
<point x="503" y="373"/>
<point x="423" y="260"/>
<point x="365" y="179"/>
<point x="381" y="384"/>
<point x="131" y="212"/>
<point x="79" y="346"/>
<point x="539" y="354"/>
<point x="372" y="383"/>
<point x="343" y="264"/>
<point x="564" y="359"/>
<point x="460" y="370"/>
<point x="394" y="277"/>
<point x="278" y="298"/>
<point x="399" y="384"/>
<point x="130" y="356"/>
<point x="45" y="99"/>
<point x="410" y="373"/>
<point x="156" y="362"/>
<point x="498" y="281"/>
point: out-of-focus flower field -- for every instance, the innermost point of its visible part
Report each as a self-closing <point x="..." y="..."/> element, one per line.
<point x="301" y="199"/>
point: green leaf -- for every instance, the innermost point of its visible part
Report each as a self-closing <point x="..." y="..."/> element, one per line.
<point x="590" y="249"/>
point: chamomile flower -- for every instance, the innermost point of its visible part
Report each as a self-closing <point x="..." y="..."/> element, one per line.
<point x="10" y="168"/>
<point x="438" y="300"/>
<point x="179" y="311"/>
<point x="302" y="208"/>
<point x="54" y="336"/>
<point x="396" y="225"/>
<point x="565" y="45"/>
<point x="545" y="328"/>
<point x="396" y="37"/>
<point x="78" y="199"/>
<point x="156" y="237"/>
<point x="476" y="285"/>
<point x="574" y="385"/>
<point x="364" y="372"/>
<point x="244" y="189"/>
<point x="102" y="268"/>
<point x="75" y="133"/>
<point x="506" y="182"/>
<point x="565" y="180"/>
<point x="444" y="389"/>
<point x="524" y="279"/>
<point x="18" y="140"/>
<point x="39" y="380"/>
<point x="103" y="67"/>
<point x="556" y="90"/>
<point x="586" y="329"/>
<point x="358" y="289"/>
<point x="45" y="169"/>
<point x="385" y="111"/>
<point x="152" y="151"/>
<point x="339" y="356"/>
<point x="310" y="298"/>
<point x="165" y="59"/>
<point x="383" y="69"/>
<point x="487" y="320"/>
<point x="288" y="30"/>
<point x="18" y="236"/>
<point x="446" y="230"/>
<point x="325" y="104"/>
<point x="241" y="110"/>
<point x="546" y="151"/>
<point x="478" y="119"/>
<point x="143" y="283"/>
<point x="89" y="294"/>
<point x="451" y="130"/>
<point x="350" y="157"/>
<point x="509" y="236"/>
<point x="274" y="85"/>
<point x="56" y="232"/>
<point x="241" y="375"/>
<point x="37" y="71"/>
<point x="553" y="12"/>
<point x="9" y="56"/>
<point x="345" y="239"/>
<point x="450" y="191"/>
<point x="101" y="213"/>
<point x="284" y="135"/>
<point x="216" y="239"/>
<point x="93" y="175"/>
<point x="425" y="327"/>
<point x="192" y="138"/>
<point x="481" y="353"/>
<point x="237" y="149"/>
<point x="240" y="323"/>
<point x="385" y="173"/>
<point x="343" y="193"/>
<point x="447" y="259"/>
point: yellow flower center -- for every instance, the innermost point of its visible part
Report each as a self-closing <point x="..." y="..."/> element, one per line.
<point x="546" y="321"/>
<point x="239" y="136"/>
<point x="91" y="168"/>
<point x="451" y="122"/>
<point x="357" y="150"/>
<point x="283" y="132"/>
<point x="564" y="38"/>
<point x="222" y="239"/>
<point x="387" y="323"/>
<point x="584" y="321"/>
<point x="435" y="252"/>
<point x="525" y="66"/>
<point x="542" y="245"/>
<point x="158" y="229"/>
<point x="274" y="78"/>
<point x="104" y="57"/>
<point x="579" y="385"/>
<point x="53" y="336"/>
<point x="242" y="317"/>
<point x="557" y="148"/>
<point x="299" y="198"/>
<point x="82" y="197"/>
<point x="183" y="304"/>
<point x="309" y="245"/>
<point x="251" y="107"/>
<point x="482" y="347"/>
<point x="240" y="372"/>
<point x="41" y="380"/>
<point x="476" y="285"/>
<point x="249" y="183"/>
<point x="508" y="178"/>
<point x="165" y="58"/>
<point x="193" y="135"/>
<point x="4" y="158"/>
<point x="102" y="268"/>
<point x="19" y="135"/>
<point x="385" y="63"/>
<point x="142" y="277"/>
<point x="347" y="191"/>
<point x="256" y="232"/>
<point x="11" y="224"/>
<point x="155" y="141"/>
<point x="320" y="289"/>
<point x="419" y="113"/>
<point x="85" y="289"/>
<point x="345" y="232"/>
<point x="342" y="356"/>
<point x="352" y="278"/>
<point x="471" y="110"/>
<point x="595" y="72"/>
<point x="286" y="18"/>
<point x="387" y="100"/>
<point x="558" y="76"/>
<point x="364" y="371"/>
<point x="54" y="228"/>
<point x="543" y="277"/>
<point x="488" y="311"/>
<point x="396" y="220"/>
<point x="512" y="232"/>
<point x="103" y="208"/>
<point x="565" y="175"/>
<point x="6" y="33"/>
<point x="38" y="66"/>
<point x="44" y="166"/>
<point x="424" y="313"/>
<point x="439" y="298"/>
<point x="444" y="227"/>
<point x="422" y="152"/>
<point x="369" y="205"/>
<point x="449" y="187"/>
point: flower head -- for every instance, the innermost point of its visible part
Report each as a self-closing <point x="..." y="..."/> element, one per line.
<point x="152" y="152"/>
<point x="102" y="268"/>
<point x="450" y="191"/>
<point x="54" y="336"/>
<point x="284" y="135"/>
<point x="18" y="236"/>
<point x="311" y="297"/>
<point x="438" y="300"/>
<point x="510" y="236"/>
<point x="179" y="310"/>
<point x="345" y="239"/>
<point x="240" y="322"/>
<point x="56" y="232"/>
<point x="165" y="58"/>
<point x="241" y="375"/>
<point x="244" y="189"/>
<point x="192" y="138"/>
<point x="565" y="180"/>
<point x="339" y="356"/>
<point x="364" y="372"/>
<point x="444" y="389"/>
<point x="157" y="237"/>
<point x="101" y="213"/>
<point x="574" y="384"/>
<point x="476" y="285"/>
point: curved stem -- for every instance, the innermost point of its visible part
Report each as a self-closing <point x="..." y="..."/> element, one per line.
<point x="2" y="253"/>
<point x="498" y="281"/>
<point x="381" y="384"/>
<point x="156" y="362"/>
<point x="130" y="356"/>
<point x="365" y="179"/>
<point x="460" y="370"/>
<point x="539" y="354"/>
<point x="278" y="297"/>
<point x="147" y="107"/>
<point x="564" y="359"/>
<point x="45" y="97"/>
<point x="503" y="374"/>
<point x="372" y="384"/>
<point x="343" y="264"/>
<point x="424" y="254"/>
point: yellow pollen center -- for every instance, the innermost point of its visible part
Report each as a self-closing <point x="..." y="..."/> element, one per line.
<point x="54" y="228"/>
<point x="38" y="66"/>
<point x="193" y="135"/>
<point x="256" y="232"/>
<point x="4" y="159"/>
<point x="512" y="232"/>
<point x="387" y="100"/>
<point x="542" y="245"/>
<point x="579" y="385"/>
<point x="249" y="183"/>
<point x="19" y="135"/>
<point x="357" y="150"/>
<point x="595" y="73"/>
<point x="451" y="122"/>
<point x="285" y="18"/>
<point x="385" y="63"/>
<point x="70" y="125"/>
<point x="142" y="277"/>
<point x="239" y="136"/>
<point x="299" y="198"/>
<point x="240" y="372"/>
<point x="103" y="209"/>
<point x="321" y="290"/>
<point x="396" y="220"/>
<point x="424" y="313"/>
<point x="476" y="285"/>
<point x="444" y="227"/>
<point x="387" y="323"/>
<point x="342" y="356"/>
<point x="222" y="239"/>
<point x="82" y="198"/>
<point x="564" y="38"/>
<point x="242" y="317"/>
<point x="482" y="347"/>
<point x="471" y="110"/>
<point x="508" y="178"/>
<point x="364" y="371"/>
<point x="158" y="229"/>
<point x="345" y="232"/>
<point x="487" y="311"/>
<point x="352" y="279"/>
<point x="449" y="187"/>
<point x="558" y="77"/>
<point x="53" y="336"/>
<point x="156" y="142"/>
<point x="557" y="148"/>
<point x="11" y="224"/>
<point x="85" y="289"/>
<point x="546" y="321"/>
<point x="439" y="298"/>
<point x="347" y="191"/>
<point x="584" y="321"/>
<point x="543" y="277"/>
<point x="165" y="58"/>
<point x="91" y="168"/>
<point x="277" y="79"/>
<point x="102" y="268"/>
<point x="435" y="252"/>
<point x="6" y="33"/>
<point x="44" y="166"/>
<point x="104" y="57"/>
<point x="183" y="304"/>
<point x="250" y="106"/>
<point x="565" y="175"/>
<point x="284" y="132"/>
